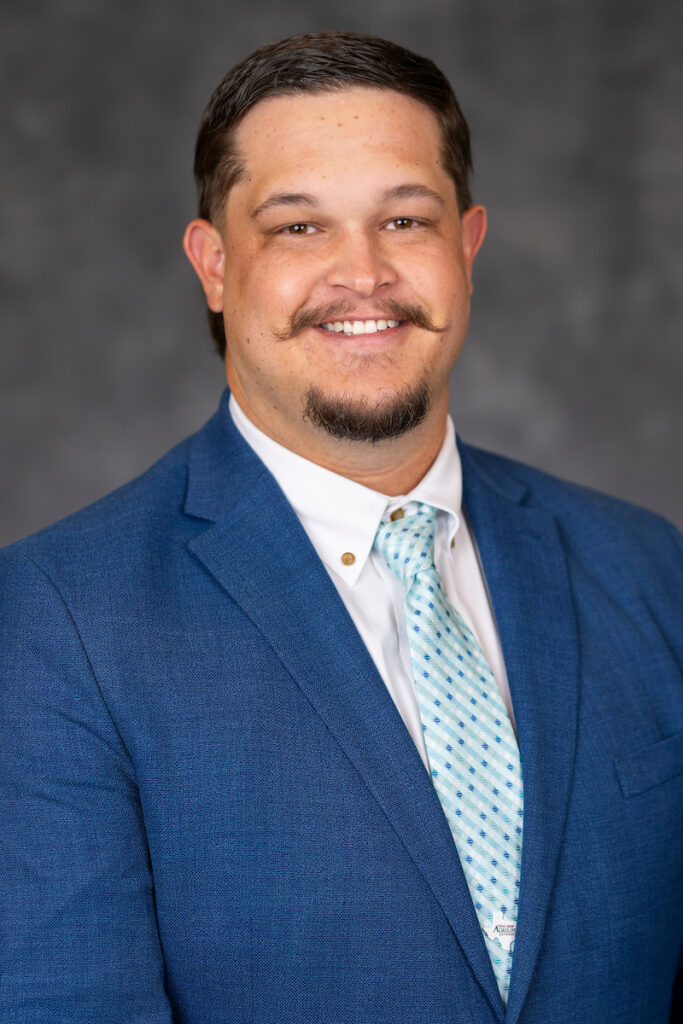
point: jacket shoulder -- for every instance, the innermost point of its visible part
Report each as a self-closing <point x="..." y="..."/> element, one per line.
<point x="617" y="532"/>
<point x="117" y="521"/>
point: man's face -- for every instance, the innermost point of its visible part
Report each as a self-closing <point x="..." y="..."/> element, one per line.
<point x="345" y="271"/>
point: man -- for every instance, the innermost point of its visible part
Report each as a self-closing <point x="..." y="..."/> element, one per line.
<point x="325" y="719"/>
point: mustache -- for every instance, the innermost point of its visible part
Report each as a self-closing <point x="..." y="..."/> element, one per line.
<point x="391" y="309"/>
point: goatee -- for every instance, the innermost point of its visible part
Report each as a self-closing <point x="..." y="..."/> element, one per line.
<point x="360" y="421"/>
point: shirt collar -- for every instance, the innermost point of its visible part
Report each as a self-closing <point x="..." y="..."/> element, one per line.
<point x="341" y="516"/>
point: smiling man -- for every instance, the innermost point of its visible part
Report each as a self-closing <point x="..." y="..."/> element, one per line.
<point x="327" y="717"/>
<point x="342" y="264"/>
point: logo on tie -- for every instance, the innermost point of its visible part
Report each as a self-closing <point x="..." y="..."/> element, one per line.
<point x="503" y="930"/>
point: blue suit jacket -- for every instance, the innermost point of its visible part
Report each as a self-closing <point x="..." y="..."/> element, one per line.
<point x="212" y="812"/>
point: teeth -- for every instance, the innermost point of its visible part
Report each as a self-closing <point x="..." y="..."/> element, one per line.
<point x="360" y="326"/>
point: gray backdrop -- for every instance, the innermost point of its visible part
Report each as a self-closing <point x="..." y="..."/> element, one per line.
<point x="573" y="361"/>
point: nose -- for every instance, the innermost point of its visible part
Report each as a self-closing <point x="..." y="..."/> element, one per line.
<point x="359" y="265"/>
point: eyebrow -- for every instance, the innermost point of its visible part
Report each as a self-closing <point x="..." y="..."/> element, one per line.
<point x="412" y="191"/>
<point x="285" y="199"/>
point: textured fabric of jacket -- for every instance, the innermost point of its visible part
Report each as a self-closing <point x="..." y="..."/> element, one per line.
<point x="212" y="812"/>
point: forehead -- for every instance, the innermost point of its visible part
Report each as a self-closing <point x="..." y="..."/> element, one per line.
<point x="315" y="135"/>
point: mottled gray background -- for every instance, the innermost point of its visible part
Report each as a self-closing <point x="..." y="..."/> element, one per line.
<point x="573" y="361"/>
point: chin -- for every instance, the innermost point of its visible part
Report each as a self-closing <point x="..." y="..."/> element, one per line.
<point x="364" y="419"/>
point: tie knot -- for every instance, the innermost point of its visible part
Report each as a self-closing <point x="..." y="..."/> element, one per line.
<point x="407" y="544"/>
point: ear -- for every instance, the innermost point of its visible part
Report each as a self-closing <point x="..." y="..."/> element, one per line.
<point x="473" y="223"/>
<point x="203" y="247"/>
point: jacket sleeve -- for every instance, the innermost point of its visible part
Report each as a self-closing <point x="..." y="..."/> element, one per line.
<point x="78" y="933"/>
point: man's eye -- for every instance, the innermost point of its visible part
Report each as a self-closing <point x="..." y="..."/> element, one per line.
<point x="402" y="223"/>
<point x="299" y="229"/>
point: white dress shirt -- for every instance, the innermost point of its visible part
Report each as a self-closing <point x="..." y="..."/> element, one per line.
<point x="341" y="518"/>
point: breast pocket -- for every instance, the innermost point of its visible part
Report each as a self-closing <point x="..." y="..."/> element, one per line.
<point x="644" y="769"/>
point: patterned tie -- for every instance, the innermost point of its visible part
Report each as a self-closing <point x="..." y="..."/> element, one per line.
<point x="472" y="749"/>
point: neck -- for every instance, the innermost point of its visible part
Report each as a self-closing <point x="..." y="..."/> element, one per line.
<point x="392" y="467"/>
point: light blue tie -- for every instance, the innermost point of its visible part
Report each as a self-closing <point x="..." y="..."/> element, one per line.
<point x="472" y="749"/>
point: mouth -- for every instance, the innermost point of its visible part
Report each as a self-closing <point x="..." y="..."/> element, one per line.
<point x="358" y="327"/>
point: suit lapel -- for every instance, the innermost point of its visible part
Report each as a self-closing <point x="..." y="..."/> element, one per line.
<point x="525" y="568"/>
<point x="258" y="552"/>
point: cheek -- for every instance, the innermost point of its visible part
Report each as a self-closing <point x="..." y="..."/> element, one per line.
<point x="437" y="276"/>
<point x="276" y="287"/>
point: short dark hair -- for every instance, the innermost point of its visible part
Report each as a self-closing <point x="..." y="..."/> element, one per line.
<point x="318" y="62"/>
